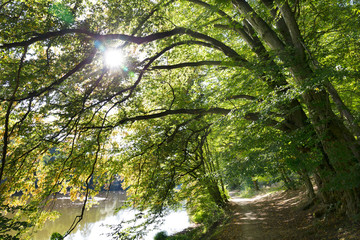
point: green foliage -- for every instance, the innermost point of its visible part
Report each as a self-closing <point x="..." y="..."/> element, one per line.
<point x="188" y="235"/>
<point x="205" y="98"/>
<point x="250" y="192"/>
<point x="10" y="226"/>
<point x="203" y="210"/>
<point x="161" y="236"/>
<point x="62" y="12"/>
<point x="185" y="236"/>
<point x="56" y="236"/>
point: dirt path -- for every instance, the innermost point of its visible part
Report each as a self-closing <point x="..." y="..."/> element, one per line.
<point x="249" y="219"/>
<point x="280" y="216"/>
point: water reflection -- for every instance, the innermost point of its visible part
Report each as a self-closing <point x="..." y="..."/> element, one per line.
<point x="94" y="224"/>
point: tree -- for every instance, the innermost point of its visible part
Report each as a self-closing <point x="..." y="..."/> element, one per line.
<point x="196" y="73"/>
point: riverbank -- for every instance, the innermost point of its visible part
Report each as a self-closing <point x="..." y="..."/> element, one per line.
<point x="98" y="219"/>
<point x="279" y="215"/>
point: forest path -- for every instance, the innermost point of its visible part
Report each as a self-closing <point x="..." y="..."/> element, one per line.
<point x="249" y="218"/>
<point x="261" y="217"/>
<point x="279" y="216"/>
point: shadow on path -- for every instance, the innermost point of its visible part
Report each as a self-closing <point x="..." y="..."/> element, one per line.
<point x="279" y="216"/>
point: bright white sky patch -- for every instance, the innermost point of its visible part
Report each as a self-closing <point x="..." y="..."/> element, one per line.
<point x="114" y="58"/>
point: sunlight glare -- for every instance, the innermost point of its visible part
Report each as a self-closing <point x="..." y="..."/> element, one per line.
<point x="114" y="58"/>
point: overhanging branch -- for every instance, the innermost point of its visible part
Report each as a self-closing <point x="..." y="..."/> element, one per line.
<point x="200" y="111"/>
<point x="137" y="40"/>
<point x="190" y="64"/>
<point x="57" y="82"/>
<point x="242" y="96"/>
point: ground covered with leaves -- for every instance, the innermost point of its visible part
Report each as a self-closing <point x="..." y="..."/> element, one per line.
<point x="283" y="215"/>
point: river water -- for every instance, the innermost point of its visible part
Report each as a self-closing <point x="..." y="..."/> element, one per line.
<point x="93" y="225"/>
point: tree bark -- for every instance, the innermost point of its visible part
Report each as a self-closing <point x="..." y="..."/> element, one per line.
<point x="337" y="141"/>
<point x="256" y="185"/>
<point x="308" y="184"/>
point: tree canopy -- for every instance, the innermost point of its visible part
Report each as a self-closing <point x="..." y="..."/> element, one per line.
<point x="180" y="98"/>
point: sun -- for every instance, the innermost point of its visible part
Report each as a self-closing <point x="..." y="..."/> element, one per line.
<point x="114" y="58"/>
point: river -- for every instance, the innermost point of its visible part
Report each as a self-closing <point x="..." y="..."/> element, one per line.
<point x="93" y="225"/>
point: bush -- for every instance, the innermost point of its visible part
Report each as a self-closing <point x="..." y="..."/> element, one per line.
<point x="161" y="236"/>
<point x="179" y="237"/>
<point x="204" y="211"/>
<point x="56" y="236"/>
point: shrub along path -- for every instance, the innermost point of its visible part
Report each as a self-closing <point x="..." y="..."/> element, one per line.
<point x="281" y="216"/>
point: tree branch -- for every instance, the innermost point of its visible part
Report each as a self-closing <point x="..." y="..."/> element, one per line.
<point x="234" y="25"/>
<point x="6" y="136"/>
<point x="138" y="40"/>
<point x="260" y="26"/>
<point x="145" y="18"/>
<point x="188" y="42"/>
<point x="59" y="81"/>
<point x="190" y="64"/>
<point x="243" y="96"/>
<point x="123" y="37"/>
<point x="248" y="34"/>
<point x="294" y="30"/>
<point x="200" y="111"/>
<point x="3" y="5"/>
<point x="280" y="23"/>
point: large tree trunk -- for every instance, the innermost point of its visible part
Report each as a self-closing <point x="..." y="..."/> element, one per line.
<point x="308" y="184"/>
<point x="289" y="184"/>
<point x="256" y="185"/>
<point x="214" y="191"/>
<point x="337" y="141"/>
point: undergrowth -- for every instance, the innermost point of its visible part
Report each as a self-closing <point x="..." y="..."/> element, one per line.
<point x="251" y="192"/>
